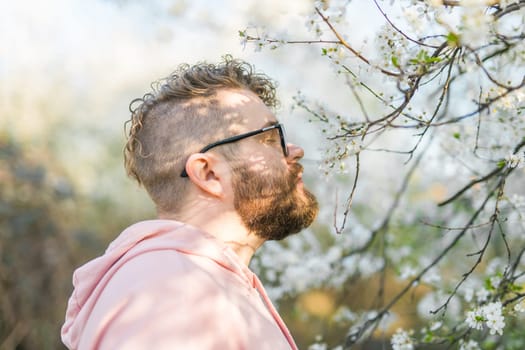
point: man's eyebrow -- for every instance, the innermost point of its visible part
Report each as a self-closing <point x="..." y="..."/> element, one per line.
<point x="270" y="123"/>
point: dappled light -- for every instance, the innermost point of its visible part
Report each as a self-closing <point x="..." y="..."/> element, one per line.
<point x="411" y="115"/>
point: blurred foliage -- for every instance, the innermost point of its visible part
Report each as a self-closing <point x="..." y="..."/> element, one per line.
<point x="35" y="250"/>
<point x="46" y="231"/>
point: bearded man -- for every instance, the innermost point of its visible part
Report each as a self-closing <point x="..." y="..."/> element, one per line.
<point x="212" y="156"/>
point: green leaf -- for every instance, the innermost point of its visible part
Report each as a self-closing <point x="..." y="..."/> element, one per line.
<point x="453" y="39"/>
<point x="395" y="62"/>
<point x="488" y="285"/>
<point x="457" y="135"/>
<point x="433" y="59"/>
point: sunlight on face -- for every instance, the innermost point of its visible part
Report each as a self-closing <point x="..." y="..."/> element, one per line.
<point x="248" y="106"/>
<point x="257" y="163"/>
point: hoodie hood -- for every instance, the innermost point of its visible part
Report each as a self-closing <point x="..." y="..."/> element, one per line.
<point x="90" y="279"/>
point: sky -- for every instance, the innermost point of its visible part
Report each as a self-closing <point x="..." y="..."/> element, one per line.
<point x="106" y="47"/>
<point x="69" y="68"/>
<point x="95" y="55"/>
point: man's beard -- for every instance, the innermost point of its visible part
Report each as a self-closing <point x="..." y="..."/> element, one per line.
<point x="273" y="207"/>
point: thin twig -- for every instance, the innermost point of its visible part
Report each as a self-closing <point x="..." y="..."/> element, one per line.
<point x="395" y="204"/>
<point x="350" y="197"/>
<point x="493" y="173"/>
<point x="399" y="30"/>
<point x="343" y="42"/>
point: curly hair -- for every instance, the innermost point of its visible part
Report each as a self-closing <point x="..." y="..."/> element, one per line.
<point x="179" y="116"/>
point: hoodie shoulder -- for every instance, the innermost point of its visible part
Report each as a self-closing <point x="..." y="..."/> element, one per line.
<point x="154" y="253"/>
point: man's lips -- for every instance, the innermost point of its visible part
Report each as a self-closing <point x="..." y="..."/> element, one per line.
<point x="300" y="179"/>
<point x="297" y="174"/>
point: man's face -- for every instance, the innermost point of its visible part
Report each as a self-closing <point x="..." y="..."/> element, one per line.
<point x="267" y="186"/>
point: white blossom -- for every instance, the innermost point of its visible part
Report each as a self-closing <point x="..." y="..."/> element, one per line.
<point x="369" y="264"/>
<point x="475" y="319"/>
<point x="436" y="325"/>
<point x="432" y="276"/>
<point x="476" y="25"/>
<point x="494" y="317"/>
<point x="482" y="295"/>
<point x="518" y="201"/>
<point x="469" y="345"/>
<point x="495" y="281"/>
<point x="313" y="24"/>
<point x="516" y="160"/>
<point x="407" y="272"/>
<point x="519" y="307"/>
<point x="401" y="340"/>
<point x="434" y="300"/>
<point x="318" y="346"/>
<point x="495" y="266"/>
<point x="344" y="314"/>
<point x="413" y="16"/>
<point x="468" y="294"/>
<point x="490" y="315"/>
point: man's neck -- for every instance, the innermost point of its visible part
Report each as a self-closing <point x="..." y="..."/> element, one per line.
<point x="224" y="224"/>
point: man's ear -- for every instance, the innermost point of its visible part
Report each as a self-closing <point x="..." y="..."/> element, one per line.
<point x="204" y="171"/>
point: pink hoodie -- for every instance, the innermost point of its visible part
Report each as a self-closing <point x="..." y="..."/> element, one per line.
<point x="166" y="285"/>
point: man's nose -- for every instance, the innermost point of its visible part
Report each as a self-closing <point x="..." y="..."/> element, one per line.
<point x="294" y="152"/>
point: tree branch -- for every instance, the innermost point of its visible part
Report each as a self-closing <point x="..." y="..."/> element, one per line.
<point x="353" y="337"/>
<point x="343" y="42"/>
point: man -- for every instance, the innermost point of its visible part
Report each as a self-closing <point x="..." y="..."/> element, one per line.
<point x="213" y="158"/>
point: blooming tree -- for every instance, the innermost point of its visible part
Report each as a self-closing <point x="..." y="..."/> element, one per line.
<point x="437" y="89"/>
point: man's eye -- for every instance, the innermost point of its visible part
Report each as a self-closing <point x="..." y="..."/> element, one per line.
<point x="270" y="140"/>
<point x="271" y="137"/>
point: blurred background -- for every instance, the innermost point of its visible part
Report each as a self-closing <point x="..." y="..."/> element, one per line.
<point x="68" y="70"/>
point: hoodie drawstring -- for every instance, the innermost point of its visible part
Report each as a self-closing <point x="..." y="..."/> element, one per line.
<point x="258" y="285"/>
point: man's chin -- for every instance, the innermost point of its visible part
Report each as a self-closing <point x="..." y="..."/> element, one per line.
<point x="313" y="206"/>
<point x="308" y="199"/>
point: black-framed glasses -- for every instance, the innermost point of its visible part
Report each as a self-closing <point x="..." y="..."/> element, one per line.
<point x="236" y="138"/>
